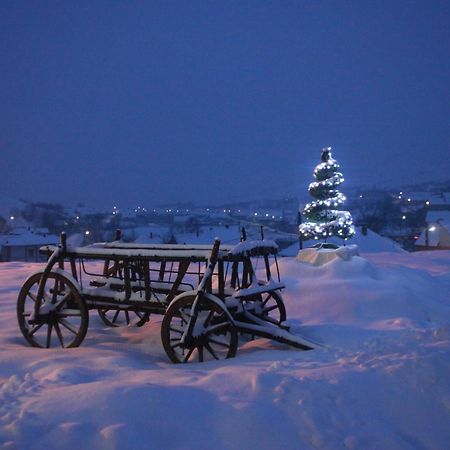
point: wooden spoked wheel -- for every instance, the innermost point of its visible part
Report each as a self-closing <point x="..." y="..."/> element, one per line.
<point x="214" y="336"/>
<point x="63" y="319"/>
<point x="268" y="306"/>
<point x="123" y="317"/>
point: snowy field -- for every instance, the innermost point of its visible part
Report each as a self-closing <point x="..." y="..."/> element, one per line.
<point x="382" y="380"/>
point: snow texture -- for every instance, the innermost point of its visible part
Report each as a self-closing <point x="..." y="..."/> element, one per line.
<point x="320" y="256"/>
<point x="265" y="246"/>
<point x="380" y="382"/>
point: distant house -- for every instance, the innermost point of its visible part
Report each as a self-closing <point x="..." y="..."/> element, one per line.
<point x="436" y="235"/>
<point x="23" y="245"/>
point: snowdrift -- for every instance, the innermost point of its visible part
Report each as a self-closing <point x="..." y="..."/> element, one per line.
<point x="369" y="243"/>
<point x="381" y="380"/>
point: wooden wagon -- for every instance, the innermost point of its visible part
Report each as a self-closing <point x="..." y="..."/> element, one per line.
<point x="209" y="295"/>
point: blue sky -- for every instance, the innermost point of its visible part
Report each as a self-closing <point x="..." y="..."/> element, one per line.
<point x="145" y="102"/>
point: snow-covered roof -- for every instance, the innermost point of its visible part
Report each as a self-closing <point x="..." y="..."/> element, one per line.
<point x="207" y="234"/>
<point x="28" y="238"/>
<point x="440" y="199"/>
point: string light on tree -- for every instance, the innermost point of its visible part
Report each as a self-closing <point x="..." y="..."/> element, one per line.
<point x="323" y="216"/>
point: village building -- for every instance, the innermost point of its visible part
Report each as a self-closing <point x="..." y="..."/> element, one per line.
<point x="436" y="235"/>
<point x="24" y="244"/>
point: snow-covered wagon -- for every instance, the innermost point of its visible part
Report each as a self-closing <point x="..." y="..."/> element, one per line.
<point x="209" y="295"/>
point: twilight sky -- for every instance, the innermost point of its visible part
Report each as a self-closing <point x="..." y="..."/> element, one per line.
<point x="139" y="102"/>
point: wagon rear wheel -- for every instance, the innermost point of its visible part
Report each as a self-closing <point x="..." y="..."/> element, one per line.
<point x="268" y="306"/>
<point x="122" y="317"/>
<point x="214" y="336"/>
<point x="63" y="319"/>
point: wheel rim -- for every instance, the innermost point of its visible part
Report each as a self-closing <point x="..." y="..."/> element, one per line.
<point x="121" y="318"/>
<point x="216" y="337"/>
<point x="61" y="324"/>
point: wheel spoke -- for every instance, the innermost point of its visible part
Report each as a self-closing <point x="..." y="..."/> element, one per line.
<point x="49" y="335"/>
<point x="208" y="319"/>
<point x="59" y="334"/>
<point x="127" y="317"/>
<point x="270" y="308"/>
<point x="176" y="330"/>
<point x="185" y="314"/>
<point x="210" y="350"/>
<point x="188" y="354"/>
<point x="222" y="344"/>
<point x="36" y="328"/>
<point x="200" y="353"/>
<point x="68" y="325"/>
<point x="116" y="315"/>
<point x="32" y="296"/>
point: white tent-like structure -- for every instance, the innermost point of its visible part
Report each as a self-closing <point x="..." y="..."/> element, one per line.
<point x="436" y="235"/>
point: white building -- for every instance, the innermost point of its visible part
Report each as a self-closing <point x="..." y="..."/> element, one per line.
<point x="436" y="235"/>
<point x="24" y="246"/>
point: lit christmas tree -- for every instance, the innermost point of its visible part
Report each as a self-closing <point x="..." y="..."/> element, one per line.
<point x="323" y="216"/>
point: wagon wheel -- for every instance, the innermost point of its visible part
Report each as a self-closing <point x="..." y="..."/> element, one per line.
<point x="268" y="306"/>
<point x="216" y="337"/>
<point x="122" y="317"/>
<point x="117" y="270"/>
<point x="63" y="319"/>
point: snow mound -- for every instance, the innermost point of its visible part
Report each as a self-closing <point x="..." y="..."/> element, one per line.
<point x="380" y="382"/>
<point x="320" y="256"/>
<point x="369" y="243"/>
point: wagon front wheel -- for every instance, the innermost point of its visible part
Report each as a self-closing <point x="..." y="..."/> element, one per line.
<point x="214" y="336"/>
<point x="63" y="319"/>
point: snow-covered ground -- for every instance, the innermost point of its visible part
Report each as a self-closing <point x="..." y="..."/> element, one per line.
<point x="382" y="380"/>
